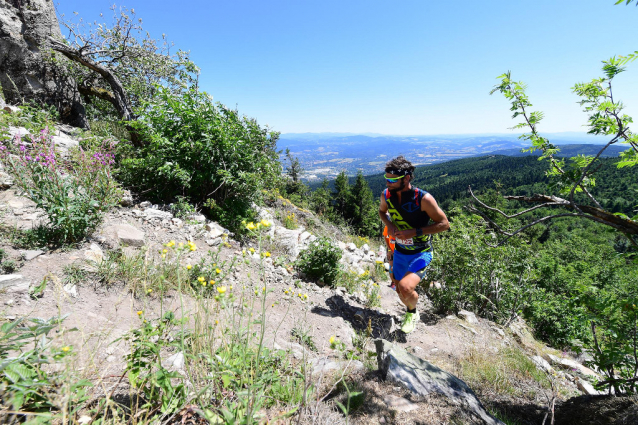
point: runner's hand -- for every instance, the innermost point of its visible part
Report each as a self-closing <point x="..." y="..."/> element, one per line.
<point x="404" y="234"/>
<point x="392" y="230"/>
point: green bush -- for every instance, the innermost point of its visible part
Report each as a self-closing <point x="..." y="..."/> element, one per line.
<point x="203" y="151"/>
<point x="320" y="260"/>
<point x="495" y="283"/>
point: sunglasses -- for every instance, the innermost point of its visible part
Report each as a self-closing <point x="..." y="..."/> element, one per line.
<point x="393" y="179"/>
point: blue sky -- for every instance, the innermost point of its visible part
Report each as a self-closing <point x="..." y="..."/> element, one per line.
<point x="403" y="67"/>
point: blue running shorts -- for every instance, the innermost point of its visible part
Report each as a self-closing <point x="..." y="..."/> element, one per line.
<point x="414" y="263"/>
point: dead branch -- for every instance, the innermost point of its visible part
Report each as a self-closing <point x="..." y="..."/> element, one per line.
<point x="626" y="226"/>
<point x="120" y="102"/>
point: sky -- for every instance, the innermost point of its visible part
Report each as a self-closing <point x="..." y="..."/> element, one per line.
<point x="403" y="67"/>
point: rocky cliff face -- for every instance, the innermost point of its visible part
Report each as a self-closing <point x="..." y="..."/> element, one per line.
<point x="27" y="71"/>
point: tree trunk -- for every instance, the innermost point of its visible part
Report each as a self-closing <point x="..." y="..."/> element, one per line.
<point x="28" y="70"/>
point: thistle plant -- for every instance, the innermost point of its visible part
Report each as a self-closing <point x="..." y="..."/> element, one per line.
<point x="74" y="192"/>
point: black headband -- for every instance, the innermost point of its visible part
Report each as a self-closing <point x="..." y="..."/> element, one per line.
<point x="398" y="172"/>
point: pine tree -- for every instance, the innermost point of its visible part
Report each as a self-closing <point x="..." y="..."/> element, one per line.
<point x="365" y="217"/>
<point x="342" y="197"/>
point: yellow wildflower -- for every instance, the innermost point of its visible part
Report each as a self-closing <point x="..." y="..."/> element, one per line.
<point x="251" y="226"/>
<point x="66" y="348"/>
<point x="221" y="289"/>
<point x="218" y="271"/>
<point x="212" y="282"/>
<point x="332" y="340"/>
<point x="181" y="244"/>
<point x="164" y="251"/>
<point x="188" y="267"/>
<point x="267" y="254"/>
<point x="265" y="223"/>
<point x="140" y="312"/>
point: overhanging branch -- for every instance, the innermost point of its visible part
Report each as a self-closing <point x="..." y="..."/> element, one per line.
<point x="626" y="226"/>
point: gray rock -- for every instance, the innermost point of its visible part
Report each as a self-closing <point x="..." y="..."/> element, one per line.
<point x="15" y="203"/>
<point x="5" y="181"/>
<point x="399" y="403"/>
<point x="151" y="213"/>
<point x="365" y="248"/>
<point x="498" y="331"/>
<point x="128" y="235"/>
<point x="14" y="283"/>
<point x="214" y="242"/>
<point x="422" y="378"/>
<point x="32" y="217"/>
<point x="200" y="218"/>
<point x="30" y="254"/>
<point x="215" y="232"/>
<point x="542" y="364"/>
<point x="587" y="388"/>
<point x="288" y="240"/>
<point x="570" y="364"/>
<point x="351" y="247"/>
<point x="468" y="316"/>
<point x="175" y="362"/>
<point x="145" y="204"/>
<point x="94" y="253"/>
<point x="65" y="143"/>
<point x="323" y="365"/>
<point x="468" y="328"/>
<point x="127" y="199"/>
<point x="28" y="71"/>
<point x="71" y="289"/>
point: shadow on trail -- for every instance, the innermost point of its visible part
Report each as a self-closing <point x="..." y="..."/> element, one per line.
<point x="380" y="325"/>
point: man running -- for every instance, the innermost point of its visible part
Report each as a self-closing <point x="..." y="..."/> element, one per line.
<point x="412" y="216"/>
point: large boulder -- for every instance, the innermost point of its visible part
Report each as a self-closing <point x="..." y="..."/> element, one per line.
<point x="26" y="69"/>
<point x="422" y="378"/>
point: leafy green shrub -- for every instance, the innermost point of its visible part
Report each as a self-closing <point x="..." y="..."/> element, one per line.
<point x="495" y="283"/>
<point x="7" y="266"/>
<point x="205" y="152"/>
<point x="73" y="193"/>
<point x="181" y="208"/>
<point x="320" y="260"/>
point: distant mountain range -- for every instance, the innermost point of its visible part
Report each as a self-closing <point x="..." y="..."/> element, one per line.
<point x="324" y="155"/>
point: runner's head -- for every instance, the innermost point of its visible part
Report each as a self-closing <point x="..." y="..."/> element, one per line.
<point x="398" y="173"/>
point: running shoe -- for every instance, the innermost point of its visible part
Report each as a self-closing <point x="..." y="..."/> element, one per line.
<point x="409" y="322"/>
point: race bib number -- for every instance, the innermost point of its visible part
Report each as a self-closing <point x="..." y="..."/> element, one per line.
<point x="405" y="241"/>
